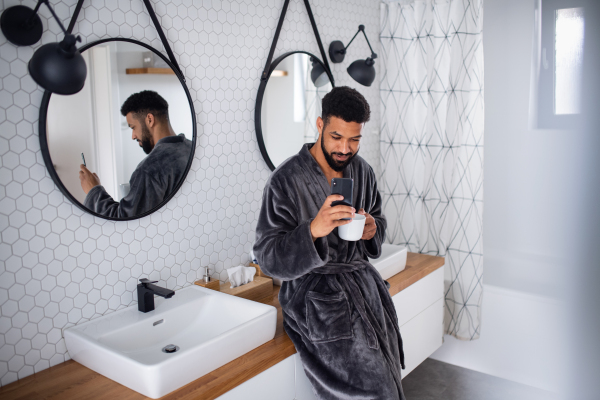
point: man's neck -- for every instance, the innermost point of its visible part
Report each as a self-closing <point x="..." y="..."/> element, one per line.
<point x="319" y="157"/>
<point x="163" y="132"/>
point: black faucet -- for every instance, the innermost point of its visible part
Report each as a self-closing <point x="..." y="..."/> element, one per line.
<point x="146" y="291"/>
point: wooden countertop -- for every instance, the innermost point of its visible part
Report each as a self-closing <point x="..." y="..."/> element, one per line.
<point x="71" y="380"/>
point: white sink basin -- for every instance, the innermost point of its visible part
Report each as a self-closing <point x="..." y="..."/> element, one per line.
<point x="392" y="260"/>
<point x="210" y="328"/>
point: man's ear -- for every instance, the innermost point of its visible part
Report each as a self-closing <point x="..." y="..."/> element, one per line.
<point x="319" y="124"/>
<point x="150" y="120"/>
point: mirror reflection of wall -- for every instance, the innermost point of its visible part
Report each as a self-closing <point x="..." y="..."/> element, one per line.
<point x="72" y="134"/>
<point x="290" y="107"/>
<point x="90" y="121"/>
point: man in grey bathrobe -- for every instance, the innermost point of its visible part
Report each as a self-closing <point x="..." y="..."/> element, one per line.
<point x="147" y="114"/>
<point x="337" y="309"/>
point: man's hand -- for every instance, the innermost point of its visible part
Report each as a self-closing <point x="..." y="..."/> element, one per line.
<point x="370" y="226"/>
<point x="330" y="217"/>
<point x="88" y="179"/>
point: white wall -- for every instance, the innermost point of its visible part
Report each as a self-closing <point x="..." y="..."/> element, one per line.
<point x="70" y="136"/>
<point x="524" y="171"/>
<point x="100" y="67"/>
<point x="526" y="191"/>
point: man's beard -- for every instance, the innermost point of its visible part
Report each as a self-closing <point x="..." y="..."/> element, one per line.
<point x="147" y="139"/>
<point x="337" y="166"/>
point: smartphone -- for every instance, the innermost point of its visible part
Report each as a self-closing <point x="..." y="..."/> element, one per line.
<point x="343" y="186"/>
<point x="83" y="159"/>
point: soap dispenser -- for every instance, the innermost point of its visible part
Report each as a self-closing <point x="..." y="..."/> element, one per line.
<point x="207" y="282"/>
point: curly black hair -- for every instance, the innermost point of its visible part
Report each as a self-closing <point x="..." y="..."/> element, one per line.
<point x="345" y="103"/>
<point x="144" y="102"/>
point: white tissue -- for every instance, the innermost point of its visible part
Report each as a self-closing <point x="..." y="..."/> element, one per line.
<point x="240" y="275"/>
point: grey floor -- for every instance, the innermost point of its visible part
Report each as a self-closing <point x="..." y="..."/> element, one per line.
<point x="434" y="380"/>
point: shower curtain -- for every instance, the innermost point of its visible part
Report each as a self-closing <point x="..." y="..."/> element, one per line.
<point x="431" y="138"/>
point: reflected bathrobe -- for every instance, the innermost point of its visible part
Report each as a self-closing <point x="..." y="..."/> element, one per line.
<point x="155" y="178"/>
<point x="337" y="309"/>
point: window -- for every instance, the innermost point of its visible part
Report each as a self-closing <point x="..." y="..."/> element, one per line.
<point x="568" y="60"/>
<point x="560" y="36"/>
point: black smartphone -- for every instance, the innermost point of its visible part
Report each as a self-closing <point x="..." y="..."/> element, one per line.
<point x="343" y="186"/>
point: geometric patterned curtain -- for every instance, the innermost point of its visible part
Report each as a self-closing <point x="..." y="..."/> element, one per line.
<point x="431" y="73"/>
<point x="313" y="97"/>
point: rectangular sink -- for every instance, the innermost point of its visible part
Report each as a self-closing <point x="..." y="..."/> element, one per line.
<point x="392" y="260"/>
<point x="208" y="328"/>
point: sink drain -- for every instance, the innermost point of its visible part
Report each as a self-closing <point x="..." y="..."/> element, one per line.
<point x="170" y="348"/>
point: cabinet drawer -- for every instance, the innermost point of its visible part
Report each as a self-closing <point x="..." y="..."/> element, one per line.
<point x="276" y="383"/>
<point x="422" y="335"/>
<point x="418" y="296"/>
<point x="304" y="390"/>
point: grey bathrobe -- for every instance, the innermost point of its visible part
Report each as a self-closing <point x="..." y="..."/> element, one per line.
<point x="337" y="309"/>
<point x="153" y="180"/>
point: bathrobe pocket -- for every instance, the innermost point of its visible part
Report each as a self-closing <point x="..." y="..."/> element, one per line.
<point x="328" y="317"/>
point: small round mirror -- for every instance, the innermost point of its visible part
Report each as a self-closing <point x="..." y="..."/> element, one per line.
<point x="288" y="104"/>
<point x="132" y="125"/>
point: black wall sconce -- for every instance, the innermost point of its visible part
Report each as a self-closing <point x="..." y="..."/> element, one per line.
<point x="362" y="71"/>
<point x="57" y="67"/>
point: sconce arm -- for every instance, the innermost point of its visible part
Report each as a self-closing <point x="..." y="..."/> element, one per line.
<point x="47" y="3"/>
<point x="74" y="17"/>
<point x="361" y="28"/>
<point x="343" y="51"/>
<point x="30" y="21"/>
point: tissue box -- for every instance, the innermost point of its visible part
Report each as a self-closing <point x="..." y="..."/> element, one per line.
<point x="259" y="288"/>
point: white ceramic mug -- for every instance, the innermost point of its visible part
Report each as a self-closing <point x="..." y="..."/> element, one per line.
<point x="354" y="230"/>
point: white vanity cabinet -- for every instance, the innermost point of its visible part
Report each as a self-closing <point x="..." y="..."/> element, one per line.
<point x="275" y="383"/>
<point x="420" y="309"/>
<point x="283" y="381"/>
<point x="304" y="389"/>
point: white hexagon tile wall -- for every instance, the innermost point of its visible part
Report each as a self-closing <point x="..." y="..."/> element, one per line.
<point x="60" y="266"/>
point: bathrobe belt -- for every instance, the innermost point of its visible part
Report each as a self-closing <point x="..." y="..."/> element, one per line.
<point x="373" y="330"/>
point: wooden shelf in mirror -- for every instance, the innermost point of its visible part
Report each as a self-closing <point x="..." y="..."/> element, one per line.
<point x="279" y="72"/>
<point x="138" y="71"/>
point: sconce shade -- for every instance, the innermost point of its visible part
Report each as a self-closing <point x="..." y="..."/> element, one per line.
<point x="59" y="67"/>
<point x="318" y="75"/>
<point x="362" y="71"/>
<point x="21" y="26"/>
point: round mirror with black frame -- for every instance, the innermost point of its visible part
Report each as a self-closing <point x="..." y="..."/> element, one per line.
<point x="120" y="148"/>
<point x="288" y="104"/>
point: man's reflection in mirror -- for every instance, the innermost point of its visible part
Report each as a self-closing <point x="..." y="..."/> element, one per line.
<point x="147" y="115"/>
